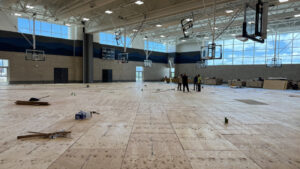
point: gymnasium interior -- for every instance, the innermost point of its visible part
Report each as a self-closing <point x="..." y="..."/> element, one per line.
<point x="149" y="84"/>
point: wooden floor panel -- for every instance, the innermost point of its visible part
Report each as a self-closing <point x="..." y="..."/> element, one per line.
<point x="153" y="128"/>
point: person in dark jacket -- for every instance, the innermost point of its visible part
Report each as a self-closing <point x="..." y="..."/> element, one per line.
<point x="195" y="82"/>
<point x="199" y="83"/>
<point x="185" y="83"/>
<point x="179" y="82"/>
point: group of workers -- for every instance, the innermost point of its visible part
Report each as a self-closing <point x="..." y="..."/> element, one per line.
<point x="183" y="81"/>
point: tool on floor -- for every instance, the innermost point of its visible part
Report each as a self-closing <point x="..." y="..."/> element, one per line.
<point x="226" y="120"/>
<point x="46" y="135"/>
<point x="31" y="103"/>
<point x="94" y="112"/>
<point x="83" y="115"/>
<point x="33" y="99"/>
<point x="159" y="91"/>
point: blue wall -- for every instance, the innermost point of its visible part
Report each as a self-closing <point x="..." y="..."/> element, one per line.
<point x="15" y="42"/>
<point x="187" y="57"/>
<point x="133" y="54"/>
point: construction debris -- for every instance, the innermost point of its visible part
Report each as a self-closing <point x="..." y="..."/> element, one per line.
<point x="226" y="120"/>
<point x="94" y="112"/>
<point x="84" y="115"/>
<point x="159" y="91"/>
<point x="46" y="135"/>
<point x="33" y="99"/>
<point x="31" y="103"/>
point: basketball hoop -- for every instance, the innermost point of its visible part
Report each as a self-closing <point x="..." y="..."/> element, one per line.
<point x="147" y="63"/>
<point x="274" y="63"/>
<point x="241" y="38"/>
<point x="35" y="55"/>
<point x="123" y="57"/>
<point x="210" y="52"/>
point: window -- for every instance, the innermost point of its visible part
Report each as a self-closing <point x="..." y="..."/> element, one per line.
<point x="236" y="52"/>
<point x="155" y="46"/>
<point x="172" y="72"/>
<point x="43" y="28"/>
<point x="110" y="39"/>
<point x="3" y="71"/>
<point x="171" y="48"/>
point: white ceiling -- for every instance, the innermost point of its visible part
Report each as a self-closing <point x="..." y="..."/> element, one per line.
<point x="128" y="15"/>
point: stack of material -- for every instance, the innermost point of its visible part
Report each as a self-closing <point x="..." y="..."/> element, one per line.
<point x="175" y="80"/>
<point x="237" y="83"/>
<point x="254" y="83"/>
<point x="276" y="84"/>
<point x="213" y="81"/>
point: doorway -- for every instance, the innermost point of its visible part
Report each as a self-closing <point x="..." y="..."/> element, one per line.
<point x="139" y="74"/>
<point x="107" y="75"/>
<point x="61" y="75"/>
<point x="3" y="71"/>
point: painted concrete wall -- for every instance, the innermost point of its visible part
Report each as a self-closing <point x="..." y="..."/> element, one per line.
<point x="8" y="22"/>
<point x="189" y="46"/>
<point x="22" y="71"/>
<point x="126" y="71"/>
<point x="244" y="72"/>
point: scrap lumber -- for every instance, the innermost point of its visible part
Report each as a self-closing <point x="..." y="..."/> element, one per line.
<point x="45" y="135"/>
<point x="31" y="103"/>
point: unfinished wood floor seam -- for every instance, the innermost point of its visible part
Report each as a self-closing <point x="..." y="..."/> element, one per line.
<point x="139" y="129"/>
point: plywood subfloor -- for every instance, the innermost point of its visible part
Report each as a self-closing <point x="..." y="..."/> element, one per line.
<point x="146" y="129"/>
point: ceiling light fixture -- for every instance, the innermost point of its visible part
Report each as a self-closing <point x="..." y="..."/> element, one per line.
<point x="29" y="7"/>
<point x="229" y="11"/>
<point x="85" y="19"/>
<point x="283" y="1"/>
<point x="298" y="15"/>
<point x="139" y="2"/>
<point x="109" y="12"/>
<point x="17" y="14"/>
<point x="158" y="25"/>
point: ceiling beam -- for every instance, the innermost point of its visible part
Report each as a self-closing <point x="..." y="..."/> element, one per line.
<point x="185" y="7"/>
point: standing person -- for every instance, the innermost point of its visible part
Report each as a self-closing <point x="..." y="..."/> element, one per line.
<point x="199" y="83"/>
<point x="185" y="83"/>
<point x="179" y="82"/>
<point x="195" y="82"/>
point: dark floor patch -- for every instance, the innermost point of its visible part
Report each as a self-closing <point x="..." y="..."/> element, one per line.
<point x="295" y="96"/>
<point x="251" y="102"/>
